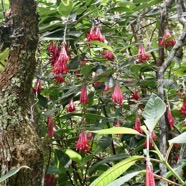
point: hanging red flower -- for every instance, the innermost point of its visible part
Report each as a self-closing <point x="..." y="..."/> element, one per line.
<point x="50" y="127"/>
<point x="165" y="42"/>
<point x="83" y="95"/>
<point x="59" y="79"/>
<point x="136" y="95"/>
<point x="183" y="108"/>
<point x="142" y="55"/>
<point x="95" y="34"/>
<point x="170" y="118"/>
<point x="137" y="125"/>
<point x="71" y="106"/>
<point x="149" y="181"/>
<point x="60" y="66"/>
<point x="117" y="95"/>
<point x="54" y="51"/>
<point x="82" y="143"/>
<point x="108" y="55"/>
<point x="37" y="87"/>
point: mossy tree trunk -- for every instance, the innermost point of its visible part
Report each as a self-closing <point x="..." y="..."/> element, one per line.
<point x="19" y="142"/>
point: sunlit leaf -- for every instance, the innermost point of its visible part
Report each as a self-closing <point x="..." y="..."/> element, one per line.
<point x="116" y="171"/>
<point x="179" y="139"/>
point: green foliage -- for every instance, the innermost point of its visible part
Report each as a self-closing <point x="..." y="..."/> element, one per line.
<point x="125" y="25"/>
<point x="153" y="111"/>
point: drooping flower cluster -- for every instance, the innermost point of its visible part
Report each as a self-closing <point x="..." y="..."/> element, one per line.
<point x="149" y="181"/>
<point x="95" y="35"/>
<point x="50" y="127"/>
<point x="142" y="55"/>
<point x="117" y="95"/>
<point x="82" y="143"/>
<point x="83" y="95"/>
<point x="37" y="87"/>
<point x="136" y="95"/>
<point x="165" y="42"/>
<point x="183" y="108"/>
<point x="137" y="125"/>
<point x="108" y="55"/>
<point x="59" y="56"/>
<point x="170" y="118"/>
<point x="71" y="106"/>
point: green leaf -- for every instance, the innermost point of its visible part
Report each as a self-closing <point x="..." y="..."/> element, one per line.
<point x="178" y="139"/>
<point x="65" y="8"/>
<point x="117" y="130"/>
<point x="73" y="155"/>
<point x="4" y="55"/>
<point x="101" y="45"/>
<point x="115" y="171"/>
<point x="125" y="178"/>
<point x="86" y="70"/>
<point x="12" y="172"/>
<point x="153" y="111"/>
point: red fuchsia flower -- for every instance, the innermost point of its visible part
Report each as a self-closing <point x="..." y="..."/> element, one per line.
<point x="137" y="125"/>
<point x="95" y="34"/>
<point x="183" y="108"/>
<point x="149" y="175"/>
<point x="165" y="43"/>
<point x="89" y="136"/>
<point x="59" y="79"/>
<point x="50" y="127"/>
<point x="83" y="95"/>
<point x="60" y="66"/>
<point x="82" y="143"/>
<point x="49" y="179"/>
<point x="108" y="55"/>
<point x="54" y="51"/>
<point x="37" y="87"/>
<point x="153" y="136"/>
<point x="170" y="118"/>
<point x="117" y="95"/>
<point x="136" y="95"/>
<point x="142" y="55"/>
<point x="71" y="106"/>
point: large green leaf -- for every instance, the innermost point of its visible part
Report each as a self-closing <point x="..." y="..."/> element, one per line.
<point x="11" y="173"/>
<point x="73" y="155"/>
<point x="65" y="8"/>
<point x="125" y="178"/>
<point x="153" y="111"/>
<point x="115" y="171"/>
<point x="178" y="139"/>
<point x="117" y="130"/>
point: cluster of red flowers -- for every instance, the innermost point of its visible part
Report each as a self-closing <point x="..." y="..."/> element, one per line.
<point x="95" y="35"/>
<point x="170" y="118"/>
<point x="59" y="58"/>
<point x="136" y="95"/>
<point x="108" y="55"/>
<point x="49" y="180"/>
<point x="82" y="143"/>
<point x="166" y="42"/>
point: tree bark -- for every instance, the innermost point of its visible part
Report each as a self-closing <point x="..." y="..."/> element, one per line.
<point x="19" y="142"/>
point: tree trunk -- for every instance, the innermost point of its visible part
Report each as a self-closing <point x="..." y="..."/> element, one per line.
<point x="19" y="142"/>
